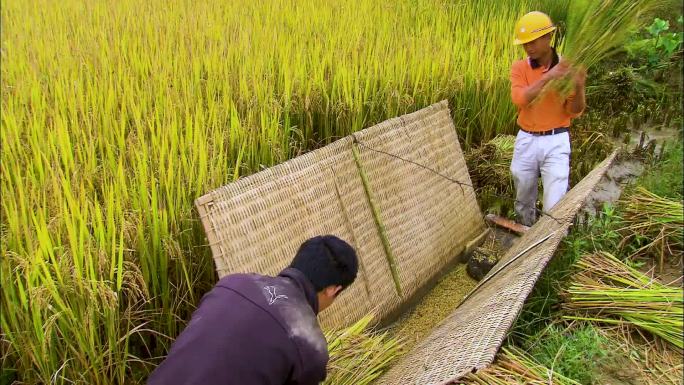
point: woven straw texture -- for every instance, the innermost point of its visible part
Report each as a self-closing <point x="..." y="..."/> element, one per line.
<point x="257" y="223"/>
<point x="470" y="337"/>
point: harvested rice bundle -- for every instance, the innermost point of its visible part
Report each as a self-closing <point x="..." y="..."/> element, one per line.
<point x="358" y="356"/>
<point x="515" y="366"/>
<point x="607" y="290"/>
<point x="656" y="219"/>
<point x="596" y="29"/>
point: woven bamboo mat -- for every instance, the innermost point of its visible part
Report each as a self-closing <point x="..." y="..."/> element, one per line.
<point x="257" y="223"/>
<point x="470" y="337"/>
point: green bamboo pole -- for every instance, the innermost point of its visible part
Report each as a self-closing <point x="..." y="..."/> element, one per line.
<point x="378" y="221"/>
<point x="351" y="231"/>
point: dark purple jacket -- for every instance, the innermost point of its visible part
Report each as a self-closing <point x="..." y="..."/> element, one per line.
<point x="250" y="329"/>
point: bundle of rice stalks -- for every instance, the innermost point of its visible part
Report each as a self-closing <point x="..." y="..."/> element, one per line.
<point x="359" y="356"/>
<point x="607" y="290"/>
<point x="489" y="164"/>
<point x="514" y="366"/>
<point x="595" y="30"/>
<point x="653" y="220"/>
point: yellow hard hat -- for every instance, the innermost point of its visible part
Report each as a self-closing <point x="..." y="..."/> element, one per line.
<point x="532" y="26"/>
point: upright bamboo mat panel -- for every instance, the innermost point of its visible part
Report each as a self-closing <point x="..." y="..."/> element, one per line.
<point x="257" y="223"/>
<point x="428" y="218"/>
<point x="470" y="337"/>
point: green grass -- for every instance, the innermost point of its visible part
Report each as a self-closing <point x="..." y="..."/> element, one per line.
<point x="666" y="176"/>
<point x="577" y="352"/>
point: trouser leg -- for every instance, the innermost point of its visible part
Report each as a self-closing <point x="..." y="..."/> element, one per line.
<point x="555" y="169"/>
<point x="525" y="171"/>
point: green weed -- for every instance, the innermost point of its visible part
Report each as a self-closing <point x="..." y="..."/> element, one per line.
<point x="665" y="177"/>
<point x="577" y="352"/>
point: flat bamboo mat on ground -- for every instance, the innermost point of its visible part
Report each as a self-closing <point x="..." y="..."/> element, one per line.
<point x="257" y="223"/>
<point x="470" y="337"/>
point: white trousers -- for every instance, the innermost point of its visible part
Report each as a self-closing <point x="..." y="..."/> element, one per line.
<point x="532" y="155"/>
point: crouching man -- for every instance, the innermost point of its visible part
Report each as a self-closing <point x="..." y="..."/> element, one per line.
<point x="252" y="329"/>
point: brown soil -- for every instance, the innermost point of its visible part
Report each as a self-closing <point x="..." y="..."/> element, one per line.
<point x="669" y="274"/>
<point x="638" y="361"/>
<point x="620" y="371"/>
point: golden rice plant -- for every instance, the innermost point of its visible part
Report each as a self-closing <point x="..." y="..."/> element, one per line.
<point x="116" y="115"/>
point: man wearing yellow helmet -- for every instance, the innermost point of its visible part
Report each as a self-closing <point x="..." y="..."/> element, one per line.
<point x="542" y="145"/>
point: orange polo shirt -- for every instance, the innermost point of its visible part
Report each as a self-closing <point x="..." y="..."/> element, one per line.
<point x="550" y="112"/>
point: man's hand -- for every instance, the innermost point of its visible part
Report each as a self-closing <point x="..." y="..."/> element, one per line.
<point x="558" y="71"/>
<point x="578" y="103"/>
<point x="580" y="78"/>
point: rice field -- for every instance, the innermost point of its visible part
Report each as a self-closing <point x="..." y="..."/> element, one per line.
<point x="117" y="115"/>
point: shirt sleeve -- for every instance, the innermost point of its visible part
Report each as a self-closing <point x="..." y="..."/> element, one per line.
<point x="518" y="86"/>
<point x="308" y="372"/>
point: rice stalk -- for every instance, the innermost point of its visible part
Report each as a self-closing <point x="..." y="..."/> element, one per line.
<point x="515" y="366"/>
<point x="655" y="219"/>
<point x="593" y="31"/>
<point x="608" y="291"/>
<point x="358" y="355"/>
<point x="658" y="364"/>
